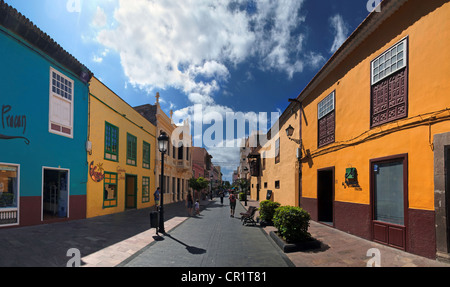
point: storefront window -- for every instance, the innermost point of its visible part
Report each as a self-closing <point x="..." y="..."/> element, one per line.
<point x="389" y="193"/>
<point x="110" y="190"/>
<point x="8" y="186"/>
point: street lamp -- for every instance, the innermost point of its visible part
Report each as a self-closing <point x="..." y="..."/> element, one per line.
<point x="163" y="143"/>
<point x="290" y="131"/>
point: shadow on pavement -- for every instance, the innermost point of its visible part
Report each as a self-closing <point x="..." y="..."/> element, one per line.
<point x="47" y="245"/>
<point x="190" y="249"/>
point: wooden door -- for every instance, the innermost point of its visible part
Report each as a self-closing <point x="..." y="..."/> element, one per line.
<point x="131" y="190"/>
<point x="389" y="187"/>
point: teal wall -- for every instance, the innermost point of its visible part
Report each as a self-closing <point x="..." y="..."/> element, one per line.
<point x="24" y="86"/>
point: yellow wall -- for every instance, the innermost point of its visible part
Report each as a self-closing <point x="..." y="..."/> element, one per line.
<point x="428" y="92"/>
<point x="105" y="106"/>
<point x="425" y="24"/>
<point x="286" y="171"/>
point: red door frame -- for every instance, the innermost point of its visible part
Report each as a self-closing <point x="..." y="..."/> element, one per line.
<point x="383" y="228"/>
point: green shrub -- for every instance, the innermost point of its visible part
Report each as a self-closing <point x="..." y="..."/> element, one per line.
<point x="267" y="210"/>
<point x="292" y="223"/>
<point x="241" y="196"/>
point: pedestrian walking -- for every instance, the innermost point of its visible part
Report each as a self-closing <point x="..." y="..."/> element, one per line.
<point x="189" y="203"/>
<point x="197" y="207"/>
<point x="157" y="195"/>
<point x="221" y="197"/>
<point x="232" y="199"/>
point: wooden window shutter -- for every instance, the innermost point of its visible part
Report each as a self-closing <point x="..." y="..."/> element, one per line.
<point x="390" y="99"/>
<point x="327" y="129"/>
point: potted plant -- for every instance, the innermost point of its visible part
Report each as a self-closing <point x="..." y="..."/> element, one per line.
<point x="292" y="225"/>
<point x="267" y="210"/>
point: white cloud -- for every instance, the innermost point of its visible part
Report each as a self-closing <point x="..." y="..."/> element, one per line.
<point x="197" y="98"/>
<point x="97" y="59"/>
<point x="100" y="18"/>
<point x="226" y="157"/>
<point x="315" y="60"/>
<point x="276" y="44"/>
<point x="340" y="32"/>
<point x="189" y="44"/>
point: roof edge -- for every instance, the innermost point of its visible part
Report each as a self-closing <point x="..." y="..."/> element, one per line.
<point x="23" y="27"/>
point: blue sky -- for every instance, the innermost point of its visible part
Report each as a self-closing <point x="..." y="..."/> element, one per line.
<point x="229" y="55"/>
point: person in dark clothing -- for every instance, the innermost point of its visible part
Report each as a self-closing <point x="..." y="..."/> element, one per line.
<point x="189" y="203"/>
<point x="232" y="199"/>
<point x="221" y="197"/>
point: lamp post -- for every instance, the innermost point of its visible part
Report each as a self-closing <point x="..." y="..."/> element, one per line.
<point x="163" y="142"/>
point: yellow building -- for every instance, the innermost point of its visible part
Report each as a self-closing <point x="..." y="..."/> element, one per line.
<point x="121" y="159"/>
<point x="178" y="159"/>
<point x="278" y="166"/>
<point x="375" y="130"/>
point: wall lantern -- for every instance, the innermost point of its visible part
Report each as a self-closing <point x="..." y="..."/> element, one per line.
<point x="289" y="131"/>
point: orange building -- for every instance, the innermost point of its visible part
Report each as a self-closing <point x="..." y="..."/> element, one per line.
<point x="375" y="132"/>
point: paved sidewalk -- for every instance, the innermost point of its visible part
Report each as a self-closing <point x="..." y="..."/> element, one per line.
<point x="120" y="239"/>
<point x="103" y="241"/>
<point x="212" y="239"/>
<point x="340" y="249"/>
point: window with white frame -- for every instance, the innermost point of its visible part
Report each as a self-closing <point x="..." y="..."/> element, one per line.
<point x="61" y="104"/>
<point x="9" y="194"/>
<point x="389" y="88"/>
<point x="326" y="105"/>
<point x="389" y="62"/>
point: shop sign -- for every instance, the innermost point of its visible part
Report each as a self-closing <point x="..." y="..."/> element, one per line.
<point x="96" y="172"/>
<point x="12" y="121"/>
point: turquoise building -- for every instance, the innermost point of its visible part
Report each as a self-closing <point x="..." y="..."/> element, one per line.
<point x="44" y="96"/>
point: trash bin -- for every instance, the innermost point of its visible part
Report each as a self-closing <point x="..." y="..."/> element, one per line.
<point x="154" y="219"/>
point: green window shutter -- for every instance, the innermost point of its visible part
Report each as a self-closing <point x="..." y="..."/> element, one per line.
<point x="146" y="155"/>
<point x="131" y="149"/>
<point x="111" y="142"/>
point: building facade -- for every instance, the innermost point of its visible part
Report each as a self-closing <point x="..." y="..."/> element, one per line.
<point x="121" y="156"/>
<point x="43" y="133"/>
<point x="197" y="170"/>
<point x="374" y="129"/>
<point x="178" y="159"/>
<point x="273" y="166"/>
<point x="202" y="159"/>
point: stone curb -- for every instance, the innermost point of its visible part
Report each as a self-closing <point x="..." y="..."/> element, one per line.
<point x="294" y="247"/>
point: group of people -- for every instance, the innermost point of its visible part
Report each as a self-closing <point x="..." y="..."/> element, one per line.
<point x="190" y="202"/>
